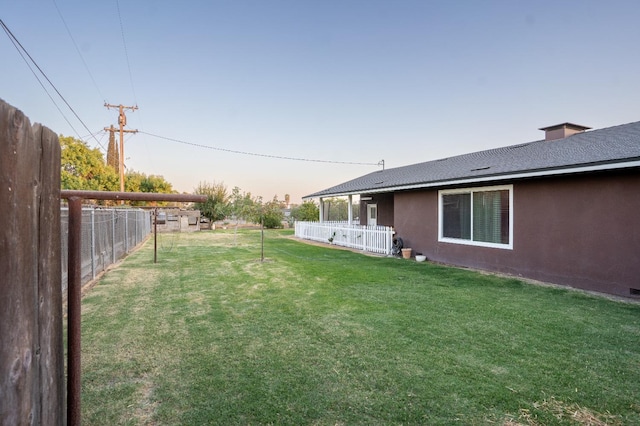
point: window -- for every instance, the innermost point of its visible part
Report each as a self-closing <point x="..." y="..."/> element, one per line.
<point x="477" y="216"/>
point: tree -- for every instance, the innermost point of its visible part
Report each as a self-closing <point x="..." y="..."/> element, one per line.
<point x="273" y="215"/>
<point x="240" y="204"/>
<point x="270" y="214"/>
<point x="140" y="182"/>
<point x="84" y="168"/>
<point x="262" y="213"/>
<point x="336" y="209"/>
<point x="216" y="207"/>
<point x="307" y="212"/>
<point x="113" y="158"/>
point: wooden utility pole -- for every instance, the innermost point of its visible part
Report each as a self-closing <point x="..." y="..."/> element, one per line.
<point x="122" y="121"/>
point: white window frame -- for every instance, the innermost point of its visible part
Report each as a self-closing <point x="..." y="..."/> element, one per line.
<point x="471" y="190"/>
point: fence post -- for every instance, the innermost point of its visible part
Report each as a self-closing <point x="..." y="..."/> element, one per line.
<point x="93" y="244"/>
<point x="31" y="353"/>
<point x="113" y="236"/>
<point x="73" y="310"/>
<point x="126" y="231"/>
<point x="364" y="238"/>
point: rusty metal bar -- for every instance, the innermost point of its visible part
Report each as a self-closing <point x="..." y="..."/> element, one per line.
<point x="132" y="196"/>
<point x="74" y="285"/>
<point x="73" y="309"/>
<point x="155" y="236"/>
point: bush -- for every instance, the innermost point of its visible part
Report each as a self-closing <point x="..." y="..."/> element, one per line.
<point x="272" y="215"/>
<point x="273" y="221"/>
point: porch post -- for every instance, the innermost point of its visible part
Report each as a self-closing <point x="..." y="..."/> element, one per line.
<point x="321" y="210"/>
<point x="350" y="209"/>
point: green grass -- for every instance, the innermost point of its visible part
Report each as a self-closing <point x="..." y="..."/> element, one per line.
<point x="314" y="335"/>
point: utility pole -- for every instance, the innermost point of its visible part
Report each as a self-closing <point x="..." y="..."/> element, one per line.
<point x="122" y="121"/>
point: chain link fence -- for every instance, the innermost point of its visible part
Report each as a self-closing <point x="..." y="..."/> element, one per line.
<point x="107" y="235"/>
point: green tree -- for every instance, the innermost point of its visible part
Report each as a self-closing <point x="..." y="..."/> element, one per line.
<point x="113" y="158"/>
<point x="216" y="207"/>
<point x="307" y="212"/>
<point x="268" y="214"/>
<point x="240" y="204"/>
<point x="273" y="215"/>
<point x="155" y="183"/>
<point x="84" y="168"/>
<point x="132" y="181"/>
<point x="336" y="209"/>
<point x="253" y="212"/>
<point x="140" y="182"/>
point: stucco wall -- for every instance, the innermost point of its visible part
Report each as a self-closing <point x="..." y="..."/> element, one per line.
<point x="578" y="231"/>
<point x="385" y="208"/>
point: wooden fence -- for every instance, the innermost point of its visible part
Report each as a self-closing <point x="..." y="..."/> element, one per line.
<point x="31" y="351"/>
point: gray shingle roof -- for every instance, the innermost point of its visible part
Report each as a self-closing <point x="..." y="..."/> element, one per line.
<point x="603" y="148"/>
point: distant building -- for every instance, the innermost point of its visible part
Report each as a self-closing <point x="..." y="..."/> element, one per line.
<point x="176" y="220"/>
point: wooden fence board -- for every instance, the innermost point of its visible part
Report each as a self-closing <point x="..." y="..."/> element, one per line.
<point x="49" y="281"/>
<point x="31" y="362"/>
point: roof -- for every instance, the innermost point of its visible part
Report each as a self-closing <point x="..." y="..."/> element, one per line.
<point x="603" y="149"/>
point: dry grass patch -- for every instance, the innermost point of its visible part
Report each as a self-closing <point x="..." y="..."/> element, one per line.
<point x="563" y="413"/>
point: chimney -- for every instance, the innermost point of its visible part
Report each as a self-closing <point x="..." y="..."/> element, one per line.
<point x="563" y="130"/>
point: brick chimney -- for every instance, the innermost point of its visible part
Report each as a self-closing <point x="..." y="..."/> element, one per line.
<point x="563" y="130"/>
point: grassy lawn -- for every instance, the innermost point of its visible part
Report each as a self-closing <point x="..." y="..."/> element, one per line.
<point x="314" y="335"/>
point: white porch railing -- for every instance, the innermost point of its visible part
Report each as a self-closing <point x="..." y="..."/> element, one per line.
<point x="375" y="239"/>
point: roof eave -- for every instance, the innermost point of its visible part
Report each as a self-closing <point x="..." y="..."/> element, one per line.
<point x="487" y="178"/>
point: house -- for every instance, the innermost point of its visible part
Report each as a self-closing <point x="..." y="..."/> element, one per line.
<point x="563" y="210"/>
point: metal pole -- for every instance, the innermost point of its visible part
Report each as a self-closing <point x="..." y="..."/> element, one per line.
<point x="73" y="299"/>
<point x="93" y="244"/>
<point x="135" y="229"/>
<point x="155" y="236"/>
<point x="113" y="236"/>
<point x="132" y="196"/>
<point x="126" y="231"/>
<point x="262" y="238"/>
<point x="74" y="286"/>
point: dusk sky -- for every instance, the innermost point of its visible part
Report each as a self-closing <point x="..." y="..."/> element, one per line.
<point x="349" y="81"/>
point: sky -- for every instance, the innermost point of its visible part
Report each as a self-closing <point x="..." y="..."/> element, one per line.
<point x="294" y="96"/>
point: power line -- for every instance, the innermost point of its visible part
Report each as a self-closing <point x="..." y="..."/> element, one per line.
<point x="126" y="53"/>
<point x="86" y="67"/>
<point x="40" y="81"/>
<point x="100" y="133"/>
<point x="13" y="38"/>
<point x="232" y="151"/>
